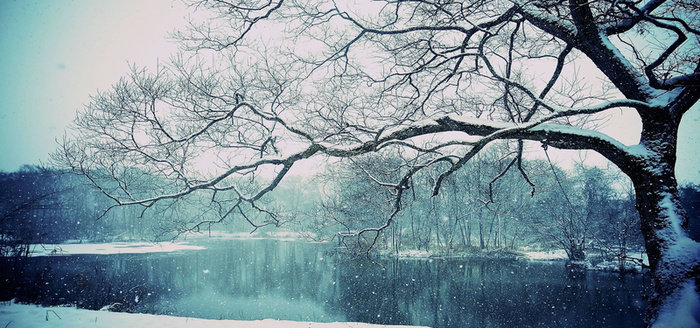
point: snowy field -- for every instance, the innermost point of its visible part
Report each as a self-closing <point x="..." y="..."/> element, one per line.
<point x="30" y="316"/>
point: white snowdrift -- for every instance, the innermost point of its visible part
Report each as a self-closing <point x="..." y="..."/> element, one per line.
<point x="30" y="316"/>
<point x="683" y="309"/>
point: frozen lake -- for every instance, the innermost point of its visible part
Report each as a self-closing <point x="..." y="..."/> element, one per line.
<point x="258" y="279"/>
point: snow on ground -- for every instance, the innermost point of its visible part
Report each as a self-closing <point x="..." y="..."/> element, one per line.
<point x="30" y="316"/>
<point x="559" y="254"/>
<point x="682" y="310"/>
<point x="111" y="248"/>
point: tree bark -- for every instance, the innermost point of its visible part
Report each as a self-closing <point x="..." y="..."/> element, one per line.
<point x="674" y="258"/>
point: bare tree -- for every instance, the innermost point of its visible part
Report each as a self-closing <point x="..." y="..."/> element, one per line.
<point x="270" y="83"/>
<point x="620" y="232"/>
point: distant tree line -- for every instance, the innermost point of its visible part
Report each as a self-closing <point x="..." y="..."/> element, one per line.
<point x="44" y="206"/>
<point x="41" y="205"/>
<point x="586" y="210"/>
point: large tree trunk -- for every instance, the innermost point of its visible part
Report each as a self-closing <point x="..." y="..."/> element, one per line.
<point x="674" y="258"/>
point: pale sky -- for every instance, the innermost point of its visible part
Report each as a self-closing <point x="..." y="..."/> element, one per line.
<point x="54" y="54"/>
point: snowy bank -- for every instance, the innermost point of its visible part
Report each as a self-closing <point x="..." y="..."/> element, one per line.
<point x="635" y="263"/>
<point x="30" y="316"/>
<point x="162" y="247"/>
<point x="553" y="255"/>
<point x="111" y="248"/>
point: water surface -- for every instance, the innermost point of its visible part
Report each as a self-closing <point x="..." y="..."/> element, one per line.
<point x="258" y="279"/>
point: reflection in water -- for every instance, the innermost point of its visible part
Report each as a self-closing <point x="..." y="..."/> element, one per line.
<point x="250" y="280"/>
<point x="257" y="279"/>
<point x="483" y="293"/>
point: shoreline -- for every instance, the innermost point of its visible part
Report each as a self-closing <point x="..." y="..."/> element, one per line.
<point x="31" y="316"/>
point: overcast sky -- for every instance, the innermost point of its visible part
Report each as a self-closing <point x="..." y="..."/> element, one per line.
<point x="54" y="54"/>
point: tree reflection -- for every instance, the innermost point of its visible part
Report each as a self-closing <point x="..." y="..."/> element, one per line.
<point x="258" y="279"/>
